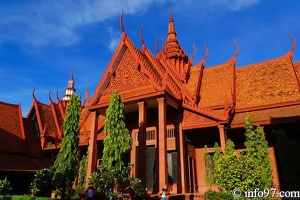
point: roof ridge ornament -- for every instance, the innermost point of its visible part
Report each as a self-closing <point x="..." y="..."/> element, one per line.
<point x="49" y="96"/>
<point x="141" y="35"/>
<point x="156" y="44"/>
<point x="57" y="97"/>
<point x="33" y="96"/>
<point x="202" y="62"/>
<point x="193" y="55"/>
<point x="290" y="52"/>
<point x="142" y="39"/>
<point x="233" y="59"/>
<point x="121" y="21"/>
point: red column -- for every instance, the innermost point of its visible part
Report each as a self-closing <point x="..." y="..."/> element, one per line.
<point x="92" y="156"/>
<point x="133" y="155"/>
<point x="142" y="142"/>
<point x="162" y="144"/>
<point x="182" y="157"/>
<point x="222" y="137"/>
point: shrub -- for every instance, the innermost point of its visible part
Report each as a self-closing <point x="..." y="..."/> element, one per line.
<point x="5" y="197"/>
<point x="22" y="197"/>
<point x="5" y="187"/>
<point x="213" y="195"/>
<point x="137" y="187"/>
<point x="42" y="185"/>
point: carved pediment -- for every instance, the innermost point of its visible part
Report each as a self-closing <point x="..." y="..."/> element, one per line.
<point x="127" y="76"/>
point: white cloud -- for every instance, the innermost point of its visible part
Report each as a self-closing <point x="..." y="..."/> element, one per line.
<point x="115" y="36"/>
<point x="42" y="22"/>
<point x="236" y="5"/>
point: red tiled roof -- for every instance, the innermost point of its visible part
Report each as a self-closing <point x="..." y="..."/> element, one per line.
<point x="216" y="85"/>
<point x="47" y="119"/>
<point x="266" y="83"/>
<point x="267" y="115"/>
<point x="11" y="138"/>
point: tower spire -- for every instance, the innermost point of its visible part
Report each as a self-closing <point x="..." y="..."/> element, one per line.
<point x="70" y="89"/>
<point x="172" y="50"/>
<point x="172" y="35"/>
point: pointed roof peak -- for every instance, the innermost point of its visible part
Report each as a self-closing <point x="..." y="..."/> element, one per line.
<point x="71" y="87"/>
<point x="171" y="15"/>
<point x="172" y="35"/>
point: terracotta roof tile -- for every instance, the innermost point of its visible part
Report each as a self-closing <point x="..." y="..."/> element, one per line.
<point x="216" y="85"/>
<point x="11" y="138"/>
<point x="267" y="114"/>
<point x="47" y="120"/>
<point x="266" y="83"/>
<point x="58" y="115"/>
<point x="193" y="79"/>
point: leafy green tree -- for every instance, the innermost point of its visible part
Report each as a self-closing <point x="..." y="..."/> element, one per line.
<point x="247" y="170"/>
<point x="82" y="170"/>
<point x="257" y="154"/>
<point x="117" y="142"/>
<point x="118" y="139"/>
<point x="66" y="163"/>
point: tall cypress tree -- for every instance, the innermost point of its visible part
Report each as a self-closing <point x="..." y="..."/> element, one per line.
<point x="118" y="139"/>
<point x="66" y="163"/>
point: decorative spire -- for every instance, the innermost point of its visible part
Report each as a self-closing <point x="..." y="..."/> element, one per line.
<point x="172" y="35"/>
<point x="70" y="89"/>
<point x="172" y="50"/>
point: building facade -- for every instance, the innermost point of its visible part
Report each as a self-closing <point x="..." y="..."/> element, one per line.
<point x="173" y="108"/>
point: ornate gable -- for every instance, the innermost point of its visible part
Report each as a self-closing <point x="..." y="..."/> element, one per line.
<point x="127" y="76"/>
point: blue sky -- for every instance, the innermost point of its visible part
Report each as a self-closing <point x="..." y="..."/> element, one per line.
<point x="42" y="40"/>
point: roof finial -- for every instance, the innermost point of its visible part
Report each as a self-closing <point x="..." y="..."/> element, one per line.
<point x="237" y="48"/>
<point x="141" y="35"/>
<point x="294" y="42"/>
<point x="202" y="62"/>
<point x="233" y="59"/>
<point x="194" y="53"/>
<point x="57" y="97"/>
<point x="121" y="21"/>
<point x="171" y="30"/>
<point x="72" y="75"/>
<point x="156" y="45"/>
<point x="206" y="51"/>
<point x="49" y="96"/>
<point x="33" y="96"/>
<point x="290" y="52"/>
<point x="87" y="95"/>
